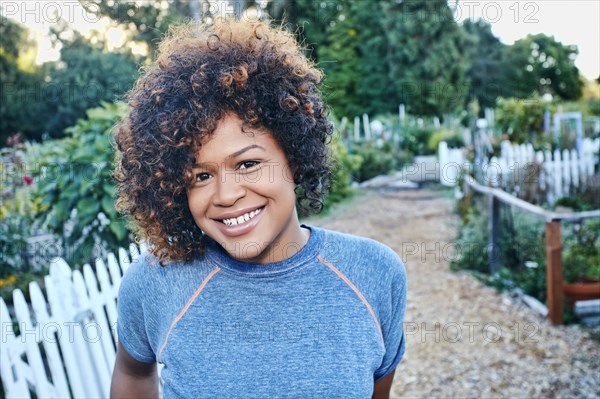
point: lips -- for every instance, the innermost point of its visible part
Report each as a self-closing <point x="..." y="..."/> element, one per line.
<point x="225" y="221"/>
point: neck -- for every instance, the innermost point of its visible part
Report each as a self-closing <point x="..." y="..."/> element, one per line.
<point x="289" y="243"/>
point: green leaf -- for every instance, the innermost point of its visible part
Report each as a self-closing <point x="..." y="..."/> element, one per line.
<point x="119" y="230"/>
<point x="108" y="207"/>
<point x="110" y="190"/>
<point x="87" y="210"/>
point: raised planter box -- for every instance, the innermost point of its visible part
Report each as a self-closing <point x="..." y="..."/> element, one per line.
<point x="582" y="291"/>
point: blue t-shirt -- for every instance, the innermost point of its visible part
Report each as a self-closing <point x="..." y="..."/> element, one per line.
<point x="327" y="322"/>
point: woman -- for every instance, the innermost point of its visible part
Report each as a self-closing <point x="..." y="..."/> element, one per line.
<point x="225" y="139"/>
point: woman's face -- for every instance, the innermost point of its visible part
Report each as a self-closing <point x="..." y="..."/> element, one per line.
<point x="243" y="194"/>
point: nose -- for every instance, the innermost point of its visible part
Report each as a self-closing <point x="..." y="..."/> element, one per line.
<point x="229" y="190"/>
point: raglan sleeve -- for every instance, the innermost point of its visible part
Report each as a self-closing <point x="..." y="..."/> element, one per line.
<point x="132" y="313"/>
<point x="392" y="313"/>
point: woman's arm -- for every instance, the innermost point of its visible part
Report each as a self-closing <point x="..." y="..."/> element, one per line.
<point x="132" y="378"/>
<point x="383" y="386"/>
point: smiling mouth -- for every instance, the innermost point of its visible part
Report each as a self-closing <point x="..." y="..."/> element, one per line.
<point x="241" y="219"/>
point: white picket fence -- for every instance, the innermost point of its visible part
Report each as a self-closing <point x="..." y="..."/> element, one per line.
<point x="67" y="338"/>
<point x="556" y="174"/>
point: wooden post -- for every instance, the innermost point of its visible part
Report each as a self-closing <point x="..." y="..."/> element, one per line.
<point x="554" y="275"/>
<point x="494" y="235"/>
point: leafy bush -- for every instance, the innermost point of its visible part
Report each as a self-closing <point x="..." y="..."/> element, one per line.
<point x="76" y="189"/>
<point x="16" y="208"/>
<point x="416" y="140"/>
<point x="341" y="180"/>
<point x="523" y="120"/>
<point x="452" y="137"/>
<point x="16" y="217"/>
<point x="378" y="161"/>
<point x="581" y="257"/>
<point x="522" y="248"/>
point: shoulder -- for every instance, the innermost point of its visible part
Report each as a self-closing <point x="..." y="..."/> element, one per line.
<point x="355" y="249"/>
<point x="362" y="259"/>
<point x="145" y="274"/>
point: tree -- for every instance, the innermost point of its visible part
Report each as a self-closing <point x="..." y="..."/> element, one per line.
<point x="19" y="84"/>
<point x="487" y="72"/>
<point x="426" y="57"/>
<point x="539" y="64"/>
<point x="309" y="18"/>
<point x="353" y="58"/>
<point x="84" y="77"/>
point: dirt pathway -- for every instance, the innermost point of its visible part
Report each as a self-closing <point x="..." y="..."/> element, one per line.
<point x="463" y="339"/>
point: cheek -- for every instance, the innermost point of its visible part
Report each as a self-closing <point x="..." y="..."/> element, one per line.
<point x="196" y="204"/>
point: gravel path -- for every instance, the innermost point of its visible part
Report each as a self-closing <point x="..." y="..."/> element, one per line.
<point x="464" y="340"/>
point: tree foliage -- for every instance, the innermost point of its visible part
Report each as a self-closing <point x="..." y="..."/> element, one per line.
<point x="427" y="62"/>
<point x="85" y="77"/>
<point x="540" y="64"/>
<point x="309" y="19"/>
<point x="19" y="88"/>
<point x="487" y="70"/>
<point x="146" y="21"/>
<point x="353" y="58"/>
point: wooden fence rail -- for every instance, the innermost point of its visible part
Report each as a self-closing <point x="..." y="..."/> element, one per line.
<point x="554" y="274"/>
<point x="73" y="324"/>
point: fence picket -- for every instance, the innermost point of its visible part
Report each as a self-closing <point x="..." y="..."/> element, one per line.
<point x="49" y="340"/>
<point x="124" y="260"/>
<point x="566" y="171"/>
<point x="115" y="273"/>
<point x="101" y="346"/>
<point x="106" y="290"/>
<point x="34" y="356"/>
<point x="73" y="323"/>
<point x="134" y="251"/>
<point x="561" y="172"/>
<point x="575" y="159"/>
<point x="68" y="351"/>
<point x="11" y="366"/>
<point x="76" y="315"/>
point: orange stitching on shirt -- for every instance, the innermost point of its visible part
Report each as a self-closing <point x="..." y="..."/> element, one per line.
<point x="356" y="291"/>
<point x="187" y="306"/>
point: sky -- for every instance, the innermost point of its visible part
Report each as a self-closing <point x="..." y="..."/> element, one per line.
<point x="569" y="21"/>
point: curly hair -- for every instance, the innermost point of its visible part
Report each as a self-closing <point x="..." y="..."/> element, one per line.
<point x="202" y="73"/>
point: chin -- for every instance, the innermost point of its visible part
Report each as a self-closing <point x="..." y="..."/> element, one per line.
<point x="246" y="252"/>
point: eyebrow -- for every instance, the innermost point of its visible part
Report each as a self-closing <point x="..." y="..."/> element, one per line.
<point x="235" y="154"/>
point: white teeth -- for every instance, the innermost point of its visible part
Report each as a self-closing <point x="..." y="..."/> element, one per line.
<point x="241" y="219"/>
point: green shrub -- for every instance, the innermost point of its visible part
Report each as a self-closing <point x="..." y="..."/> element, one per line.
<point x="16" y="218"/>
<point x="522" y="248"/>
<point x="416" y="140"/>
<point x="341" y="180"/>
<point x="452" y="137"/>
<point x="76" y="189"/>
<point x="523" y="120"/>
<point x="581" y="255"/>
<point x="472" y="242"/>
<point x="376" y="161"/>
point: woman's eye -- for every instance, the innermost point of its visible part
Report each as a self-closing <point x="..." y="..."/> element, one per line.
<point x="248" y="164"/>
<point x="202" y="176"/>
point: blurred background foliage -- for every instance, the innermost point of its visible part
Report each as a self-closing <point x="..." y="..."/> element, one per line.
<point x="375" y="55"/>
